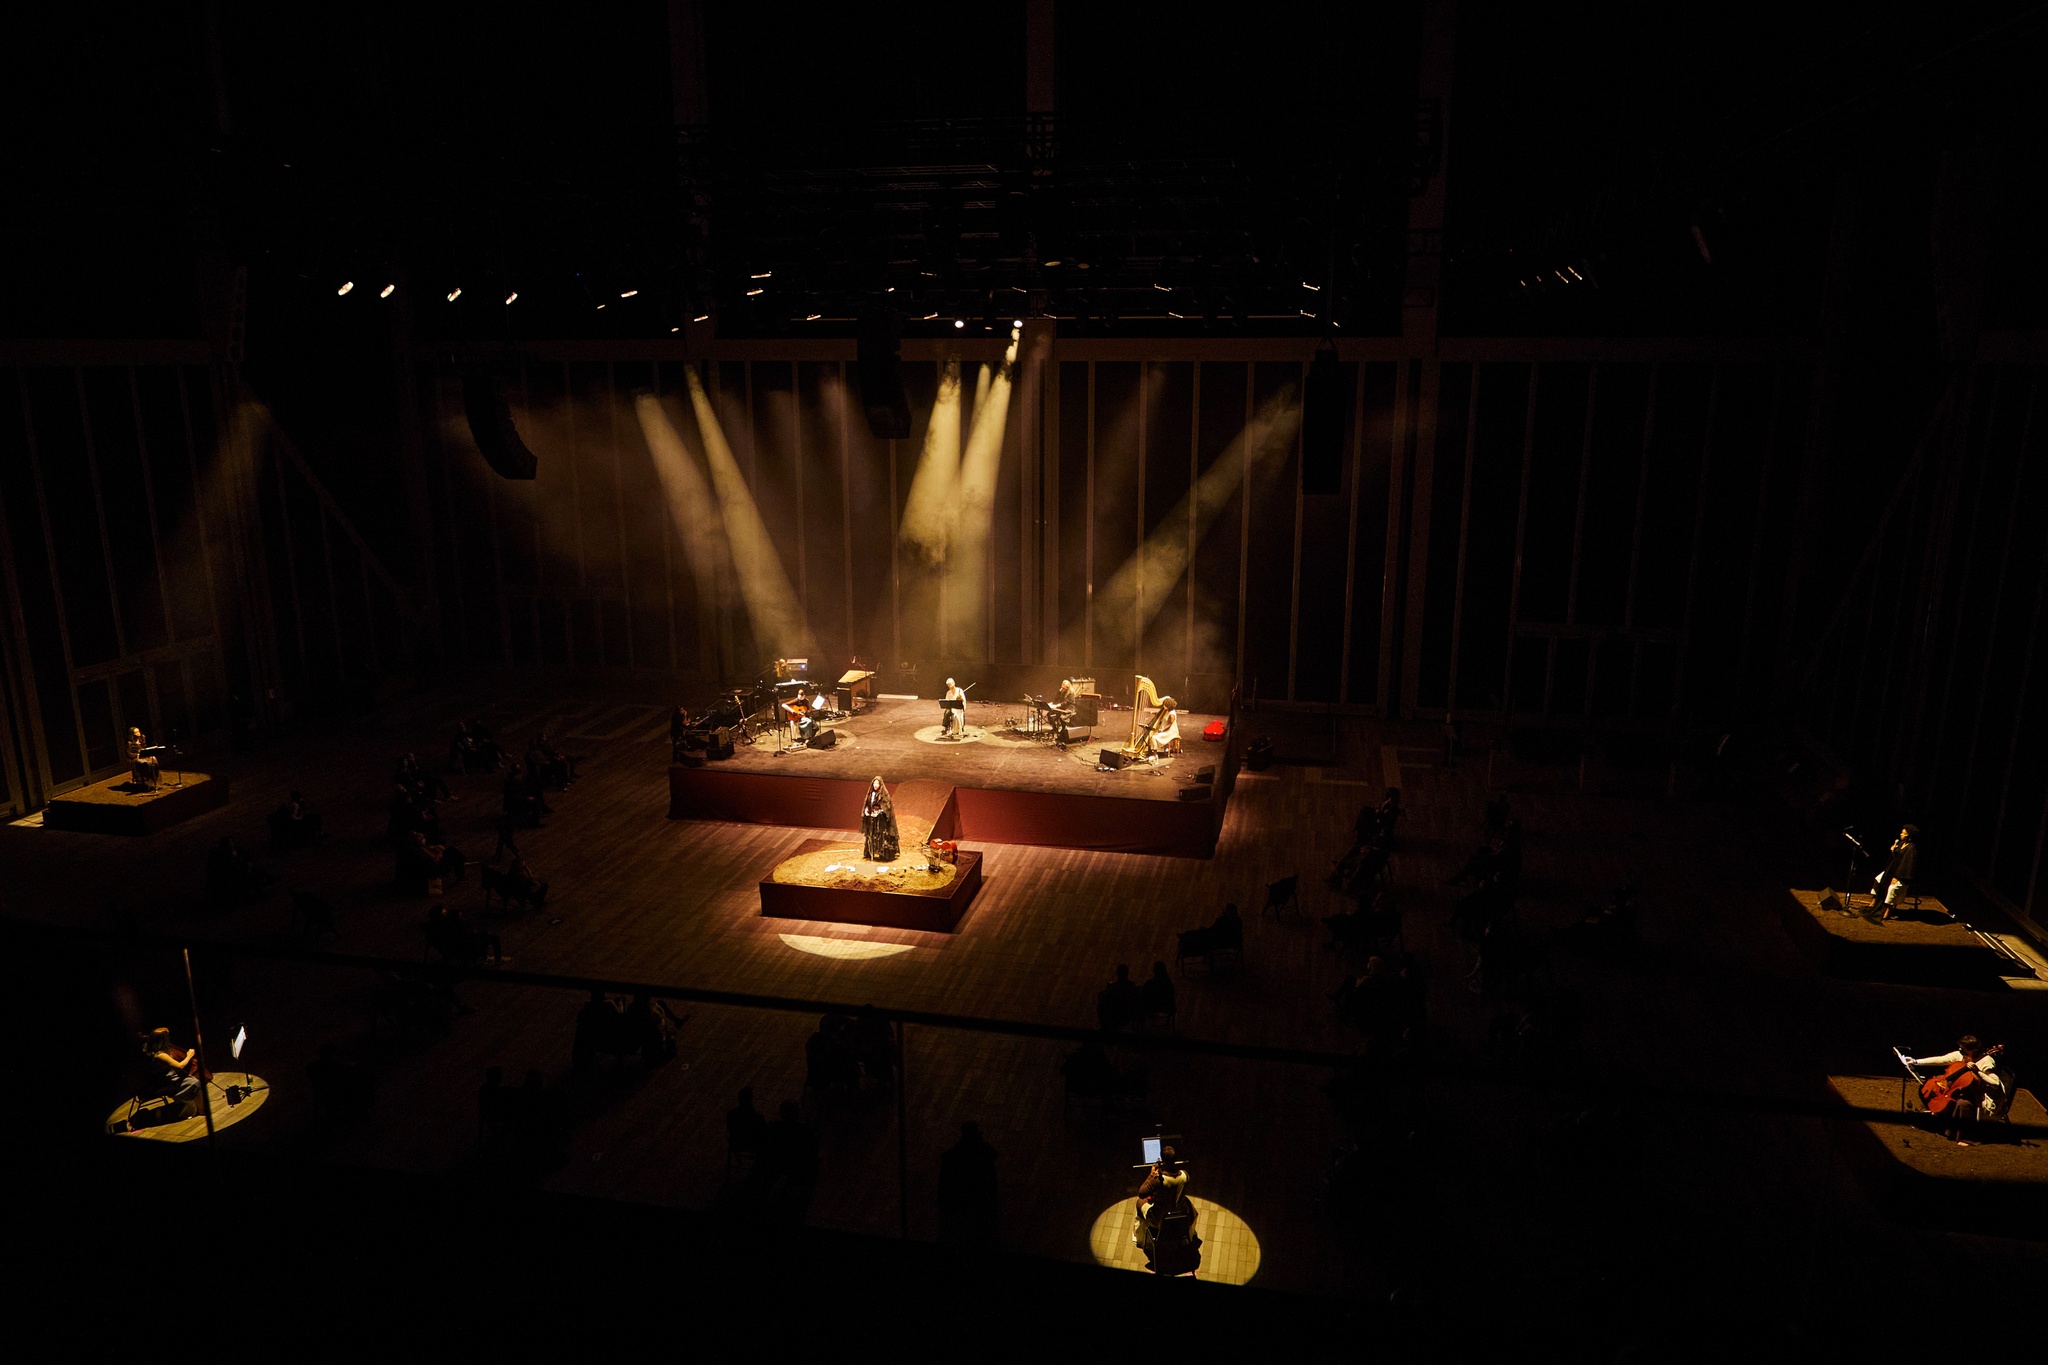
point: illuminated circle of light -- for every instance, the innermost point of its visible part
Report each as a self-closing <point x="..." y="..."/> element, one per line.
<point x="1230" y="1251"/>
<point x="969" y="734"/>
<point x="194" y="1128"/>
<point x="845" y="949"/>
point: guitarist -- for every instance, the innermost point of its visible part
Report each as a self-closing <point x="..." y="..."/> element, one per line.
<point x="1969" y="1075"/>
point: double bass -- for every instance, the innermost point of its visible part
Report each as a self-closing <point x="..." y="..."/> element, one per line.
<point x="1957" y="1082"/>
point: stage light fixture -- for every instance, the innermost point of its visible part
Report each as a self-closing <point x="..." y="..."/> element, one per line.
<point x="1305" y="313"/>
<point x="600" y="308"/>
<point x="346" y="285"/>
<point x="812" y="317"/>
<point x="1053" y="262"/>
<point x="928" y="317"/>
<point x="752" y="292"/>
<point x="675" y="329"/>
<point x="701" y="317"/>
<point x="1312" y="288"/>
<point x="764" y="275"/>
<point x="1163" y="288"/>
<point x="890" y="290"/>
<point x="454" y="294"/>
<point x="629" y="293"/>
<point x="387" y="291"/>
<point x="1018" y="324"/>
<point x="512" y="297"/>
<point x="959" y="323"/>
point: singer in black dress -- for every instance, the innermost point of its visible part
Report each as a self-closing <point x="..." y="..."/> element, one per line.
<point x="878" y="824"/>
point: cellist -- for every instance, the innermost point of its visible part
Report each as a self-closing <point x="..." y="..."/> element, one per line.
<point x="1979" y="1064"/>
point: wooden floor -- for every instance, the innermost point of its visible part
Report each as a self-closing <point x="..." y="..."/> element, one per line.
<point x="1526" y="1168"/>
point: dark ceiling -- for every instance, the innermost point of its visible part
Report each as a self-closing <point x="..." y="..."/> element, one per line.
<point x="1202" y="169"/>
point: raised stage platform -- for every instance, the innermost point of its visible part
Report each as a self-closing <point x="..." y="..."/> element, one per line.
<point x="828" y="880"/>
<point x="1998" y="1185"/>
<point x="1926" y="947"/>
<point x="1007" y="789"/>
<point x="116" y="806"/>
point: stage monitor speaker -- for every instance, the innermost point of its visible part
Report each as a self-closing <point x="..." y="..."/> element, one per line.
<point x="843" y="699"/>
<point x="721" y="743"/>
<point x="1201" y="791"/>
<point x="1322" y="426"/>
<point x="693" y="758"/>
<point x="490" y="422"/>
<point x="1207" y="774"/>
<point x="879" y="361"/>
<point x="1116" y="758"/>
<point x="1086" y="713"/>
<point x="824" y="739"/>
<point x="1832" y="903"/>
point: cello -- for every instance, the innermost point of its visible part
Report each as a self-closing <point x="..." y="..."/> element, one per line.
<point x="1956" y="1082"/>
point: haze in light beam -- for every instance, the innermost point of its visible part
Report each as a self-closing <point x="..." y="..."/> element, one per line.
<point x="928" y="511"/>
<point x="966" y="595"/>
<point x="692" y="506"/>
<point x="1163" y="558"/>
<point x="764" y="584"/>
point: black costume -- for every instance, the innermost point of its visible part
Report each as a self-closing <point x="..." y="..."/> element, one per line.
<point x="878" y="824"/>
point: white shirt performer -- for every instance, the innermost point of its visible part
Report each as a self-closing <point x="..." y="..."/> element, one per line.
<point x="1991" y="1096"/>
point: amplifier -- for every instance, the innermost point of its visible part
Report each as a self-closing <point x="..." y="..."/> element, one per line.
<point x="1087" y="711"/>
<point x="844" y="700"/>
<point x="721" y="743"/>
<point x="1116" y="758"/>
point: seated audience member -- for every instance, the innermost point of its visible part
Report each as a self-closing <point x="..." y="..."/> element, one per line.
<point x="523" y="801"/>
<point x="342" y="1090"/>
<point x="171" y="1072"/>
<point x="472" y="750"/>
<point x="599" y="1028"/>
<point x="1227" y="930"/>
<point x="292" y="825"/>
<point x="643" y="1029"/>
<point x="1388" y="816"/>
<point x="548" y="766"/>
<point x="419" y="863"/>
<point x="458" y="944"/>
<point x="789" y="1152"/>
<point x="518" y="883"/>
<point x="1118" y="1004"/>
<point x="745" y="1128"/>
<point x="424" y="786"/>
<point x="1155" y="997"/>
<point x="967" y="1190"/>
<point x="873" y="1045"/>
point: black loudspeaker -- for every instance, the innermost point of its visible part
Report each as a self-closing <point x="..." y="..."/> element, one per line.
<point x="490" y="422"/>
<point x="824" y="739"/>
<point x="693" y="758"/>
<point x="721" y="743"/>
<point x="1832" y="903"/>
<point x="881" y="378"/>
<point x="1207" y="774"/>
<point x="1115" y="758"/>
<point x="1201" y="791"/>
<point x="1322" y="426"/>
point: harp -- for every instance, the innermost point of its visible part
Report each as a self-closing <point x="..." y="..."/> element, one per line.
<point x="1141" y="730"/>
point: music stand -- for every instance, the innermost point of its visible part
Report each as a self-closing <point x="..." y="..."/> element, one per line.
<point x="1857" y="854"/>
<point x="1912" y="1074"/>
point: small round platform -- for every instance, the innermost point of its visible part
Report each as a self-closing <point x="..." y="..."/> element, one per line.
<point x="1230" y="1253"/>
<point x="189" y="1130"/>
<point x="969" y="734"/>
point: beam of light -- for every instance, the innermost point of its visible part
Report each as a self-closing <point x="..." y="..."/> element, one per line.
<point x="692" y="506"/>
<point x="764" y="585"/>
<point x="967" y="558"/>
<point x="928" y="511"/>
<point x="1162" y="559"/>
